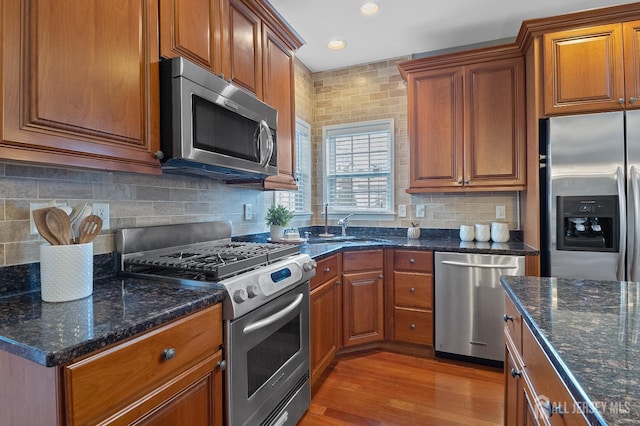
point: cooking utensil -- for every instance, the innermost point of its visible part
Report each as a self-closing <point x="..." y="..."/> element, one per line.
<point x="89" y="228"/>
<point x="83" y="212"/>
<point x="40" y="219"/>
<point x="59" y="225"/>
<point x="76" y="212"/>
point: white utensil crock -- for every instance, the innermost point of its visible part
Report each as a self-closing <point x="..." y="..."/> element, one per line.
<point x="467" y="233"/>
<point x="66" y="272"/>
<point x="483" y="232"/>
<point x="499" y="232"/>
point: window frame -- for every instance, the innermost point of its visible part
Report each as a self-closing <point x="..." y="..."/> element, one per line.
<point x="302" y="128"/>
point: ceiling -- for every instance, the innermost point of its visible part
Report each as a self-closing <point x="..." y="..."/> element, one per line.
<point x="404" y="27"/>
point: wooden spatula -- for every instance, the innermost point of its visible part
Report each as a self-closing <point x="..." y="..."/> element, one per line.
<point x="89" y="228"/>
<point x="40" y="219"/>
<point x="59" y="225"/>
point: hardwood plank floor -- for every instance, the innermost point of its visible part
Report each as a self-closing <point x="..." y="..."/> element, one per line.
<point x="384" y="388"/>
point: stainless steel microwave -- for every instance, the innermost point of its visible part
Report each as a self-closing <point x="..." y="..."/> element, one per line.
<point x="210" y="127"/>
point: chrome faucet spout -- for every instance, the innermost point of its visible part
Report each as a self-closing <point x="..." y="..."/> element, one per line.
<point x="343" y="222"/>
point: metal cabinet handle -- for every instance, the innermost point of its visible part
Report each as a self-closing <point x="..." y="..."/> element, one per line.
<point x="381" y="276"/>
<point x="553" y="409"/>
<point x="169" y="353"/>
<point x="632" y="99"/>
<point x="326" y="270"/>
<point x="467" y="181"/>
<point x="159" y="155"/>
<point x="412" y="326"/>
<point x="459" y="181"/>
<point x="412" y="290"/>
<point x="506" y="318"/>
<point x="621" y="101"/>
<point x="515" y="373"/>
<point x="412" y="261"/>
<point x="221" y="365"/>
<point x="338" y="282"/>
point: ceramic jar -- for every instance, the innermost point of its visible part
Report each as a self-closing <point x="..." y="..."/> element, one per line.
<point x="483" y="232"/>
<point x="467" y="233"/>
<point x="413" y="233"/>
<point x="499" y="232"/>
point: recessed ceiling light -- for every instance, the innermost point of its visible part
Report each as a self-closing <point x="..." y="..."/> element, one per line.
<point x="336" y="44"/>
<point x="369" y="8"/>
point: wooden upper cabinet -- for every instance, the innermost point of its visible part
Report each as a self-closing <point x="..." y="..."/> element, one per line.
<point x="631" y="32"/>
<point x="466" y="123"/>
<point x="193" y="29"/>
<point x="80" y="83"/>
<point x="279" y="92"/>
<point x="245" y="35"/>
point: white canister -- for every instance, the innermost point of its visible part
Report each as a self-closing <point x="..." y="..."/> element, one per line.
<point x="467" y="233"/>
<point x="66" y="272"/>
<point x="483" y="232"/>
<point x="499" y="232"/>
<point x="413" y="233"/>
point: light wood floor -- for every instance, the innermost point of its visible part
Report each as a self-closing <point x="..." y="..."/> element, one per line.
<point x="383" y="388"/>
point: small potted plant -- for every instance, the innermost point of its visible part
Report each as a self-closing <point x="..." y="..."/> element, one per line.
<point x="278" y="218"/>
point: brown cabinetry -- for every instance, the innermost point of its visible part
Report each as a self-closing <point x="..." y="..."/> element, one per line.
<point x="413" y="296"/>
<point x="363" y="300"/>
<point x="83" y="93"/>
<point x="592" y="69"/>
<point x="326" y="315"/>
<point x="534" y="392"/>
<point x="466" y="121"/>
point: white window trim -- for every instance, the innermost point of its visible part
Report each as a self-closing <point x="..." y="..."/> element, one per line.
<point x="348" y="128"/>
<point x="306" y="213"/>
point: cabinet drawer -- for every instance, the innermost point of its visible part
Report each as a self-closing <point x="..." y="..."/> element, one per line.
<point x="109" y="381"/>
<point x="413" y="326"/>
<point x="546" y="384"/>
<point x="412" y="260"/>
<point x="413" y="290"/>
<point x="326" y="269"/>
<point x="513" y="326"/>
<point x="362" y="260"/>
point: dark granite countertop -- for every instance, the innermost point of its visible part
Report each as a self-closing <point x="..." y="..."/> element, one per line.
<point x="590" y="330"/>
<point x="56" y="333"/>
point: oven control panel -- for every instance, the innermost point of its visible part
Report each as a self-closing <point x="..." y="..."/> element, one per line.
<point x="249" y="290"/>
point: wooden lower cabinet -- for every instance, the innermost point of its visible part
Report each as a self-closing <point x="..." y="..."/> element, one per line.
<point x="326" y="315"/>
<point x="139" y="381"/>
<point x="363" y="297"/>
<point x="534" y="392"/>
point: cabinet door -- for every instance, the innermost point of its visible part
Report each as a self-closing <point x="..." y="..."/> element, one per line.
<point x="279" y="92"/>
<point x="512" y="390"/>
<point x="245" y="38"/>
<point x="583" y="70"/>
<point x="193" y="29"/>
<point x="326" y="320"/>
<point x="435" y="121"/>
<point x="363" y="307"/>
<point x="632" y="63"/>
<point x="494" y="116"/>
<point x="80" y="83"/>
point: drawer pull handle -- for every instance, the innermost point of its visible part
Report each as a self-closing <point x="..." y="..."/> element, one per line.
<point x="506" y="318"/>
<point x="551" y="409"/>
<point x="381" y="276"/>
<point x="169" y="354"/>
<point x="326" y="270"/>
<point x="412" y="326"/>
<point x="515" y="373"/>
<point x="412" y="261"/>
<point x="412" y="290"/>
<point x="221" y="365"/>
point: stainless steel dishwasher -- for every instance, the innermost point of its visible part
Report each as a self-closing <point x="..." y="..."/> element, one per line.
<point x="469" y="304"/>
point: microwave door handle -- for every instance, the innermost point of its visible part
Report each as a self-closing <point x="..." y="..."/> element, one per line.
<point x="265" y="142"/>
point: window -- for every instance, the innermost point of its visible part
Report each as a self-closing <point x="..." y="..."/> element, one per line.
<point x="300" y="201"/>
<point x="359" y="167"/>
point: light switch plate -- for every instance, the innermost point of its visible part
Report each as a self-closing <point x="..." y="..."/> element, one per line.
<point x="419" y="210"/>
<point x="501" y="212"/>
<point x="248" y="212"/>
<point x="402" y="210"/>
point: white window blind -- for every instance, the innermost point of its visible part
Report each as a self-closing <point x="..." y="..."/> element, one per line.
<point x="359" y="167"/>
<point x="300" y="201"/>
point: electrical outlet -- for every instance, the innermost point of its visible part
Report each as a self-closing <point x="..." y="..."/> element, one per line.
<point x="419" y="210"/>
<point x="248" y="211"/>
<point x="33" y="230"/>
<point x="402" y="210"/>
<point x="501" y="212"/>
<point x="101" y="210"/>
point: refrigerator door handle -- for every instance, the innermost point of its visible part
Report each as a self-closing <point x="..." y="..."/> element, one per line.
<point x="622" y="205"/>
<point x="636" y="212"/>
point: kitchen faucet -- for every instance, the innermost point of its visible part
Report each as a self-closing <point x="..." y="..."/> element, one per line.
<point x="343" y="222"/>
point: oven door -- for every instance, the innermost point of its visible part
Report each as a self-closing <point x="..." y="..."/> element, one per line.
<point x="268" y="361"/>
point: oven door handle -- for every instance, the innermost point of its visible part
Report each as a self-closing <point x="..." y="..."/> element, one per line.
<point x="275" y="317"/>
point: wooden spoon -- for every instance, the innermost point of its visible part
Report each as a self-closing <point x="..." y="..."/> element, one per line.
<point x="90" y="227"/>
<point x="40" y="219"/>
<point x="59" y="225"/>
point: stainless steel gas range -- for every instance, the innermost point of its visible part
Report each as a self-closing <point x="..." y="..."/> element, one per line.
<point x="266" y="311"/>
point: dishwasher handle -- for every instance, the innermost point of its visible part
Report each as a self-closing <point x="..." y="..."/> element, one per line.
<point x="478" y="265"/>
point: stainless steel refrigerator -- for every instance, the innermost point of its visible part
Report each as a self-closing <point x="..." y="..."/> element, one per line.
<point x="589" y="174"/>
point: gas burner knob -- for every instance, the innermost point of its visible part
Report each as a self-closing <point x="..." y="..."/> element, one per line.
<point x="308" y="266"/>
<point x="253" y="290"/>
<point x="240" y="295"/>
